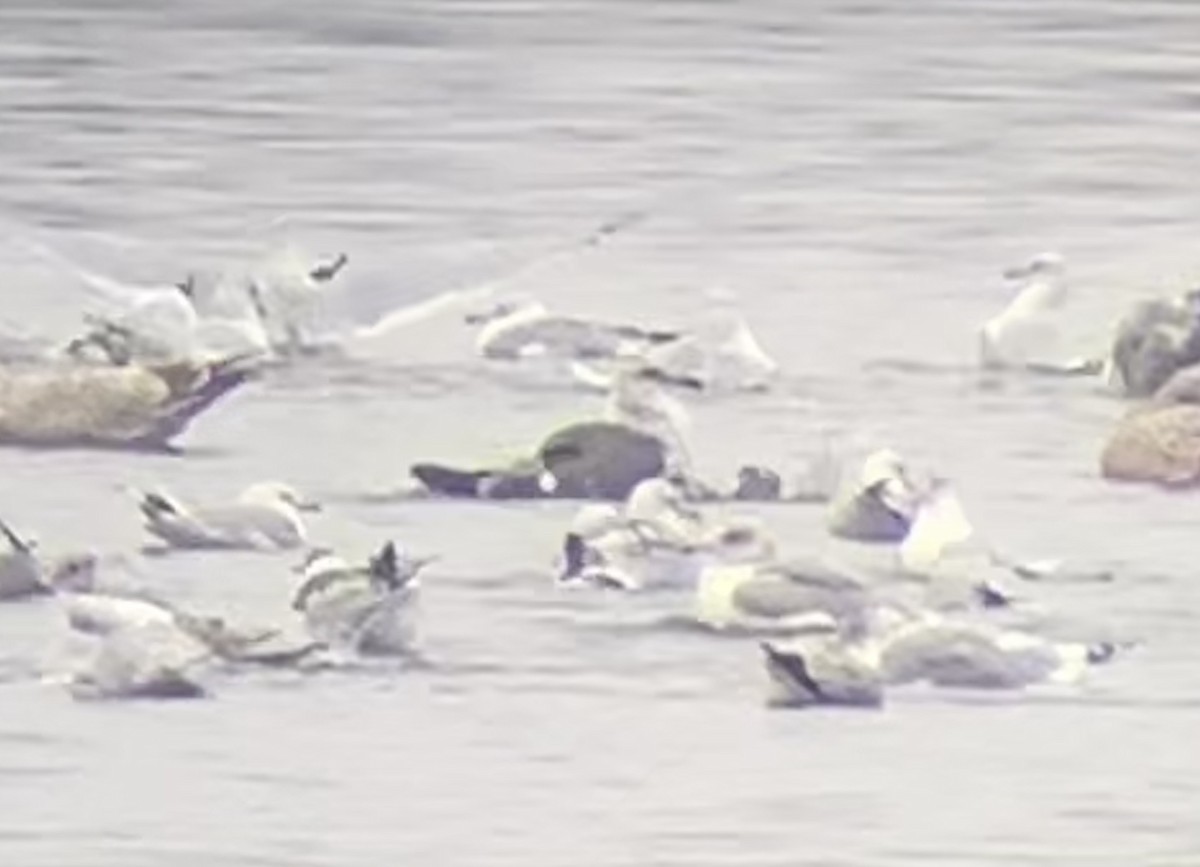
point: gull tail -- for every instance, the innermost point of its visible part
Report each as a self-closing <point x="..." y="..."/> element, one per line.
<point x="792" y="665"/>
<point x="156" y="506"/>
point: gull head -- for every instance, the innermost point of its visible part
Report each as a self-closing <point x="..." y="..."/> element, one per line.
<point x="505" y="308"/>
<point x="393" y="568"/>
<point x="74" y="573"/>
<point x="657" y="497"/>
<point x="272" y="493"/>
<point x="1047" y="263"/>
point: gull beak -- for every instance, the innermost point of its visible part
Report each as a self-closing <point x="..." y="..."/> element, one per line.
<point x="308" y="505"/>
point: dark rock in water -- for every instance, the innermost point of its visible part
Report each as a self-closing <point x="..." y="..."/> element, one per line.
<point x="590" y="460"/>
<point x="1159" y="441"/>
<point x="758" y="484"/>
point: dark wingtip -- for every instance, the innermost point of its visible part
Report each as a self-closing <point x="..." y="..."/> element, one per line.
<point x="1101" y="652"/>
<point x="574" y="556"/>
<point x="655" y="374"/>
<point x="17" y="543"/>
<point x="991" y="597"/>
<point x="384" y="564"/>
<point x="192" y="399"/>
<point x="795" y="666"/>
<point x="447" y="480"/>
<point x="153" y="505"/>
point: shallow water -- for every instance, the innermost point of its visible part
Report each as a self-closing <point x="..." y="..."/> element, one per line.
<point x="856" y="173"/>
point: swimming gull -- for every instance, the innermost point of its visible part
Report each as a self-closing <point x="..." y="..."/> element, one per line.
<point x="638" y="400"/>
<point x="764" y="595"/>
<point x="821" y="671"/>
<point x="879" y="505"/>
<point x="1025" y="335"/>
<point x="523" y="328"/>
<point x="657" y="539"/>
<point x="956" y="653"/>
<point x="266" y="516"/>
<point x="371" y="609"/>
<point x="153" y="660"/>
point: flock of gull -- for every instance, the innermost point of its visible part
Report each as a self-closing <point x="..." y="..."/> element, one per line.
<point x="942" y="610"/>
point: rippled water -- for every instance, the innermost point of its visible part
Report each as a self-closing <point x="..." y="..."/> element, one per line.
<point x="856" y="172"/>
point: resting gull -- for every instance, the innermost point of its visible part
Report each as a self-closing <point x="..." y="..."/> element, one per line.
<point x="957" y="653"/>
<point x="879" y="505"/>
<point x="821" y="671"/>
<point x="720" y="355"/>
<point x="638" y="400"/>
<point x="656" y="540"/>
<point x="265" y="517"/>
<point x="769" y="596"/>
<point x="523" y="328"/>
<point x="152" y="660"/>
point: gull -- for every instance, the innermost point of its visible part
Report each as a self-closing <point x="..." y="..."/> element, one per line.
<point x="720" y="355"/>
<point x="821" y="672"/>
<point x="653" y="540"/>
<point x="879" y="505"/>
<point x="368" y="609"/>
<point x="522" y="327"/>
<point x="1025" y="335"/>
<point x="638" y="401"/>
<point x="765" y="595"/>
<point x="152" y="660"/>
<point x="265" y="517"/>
